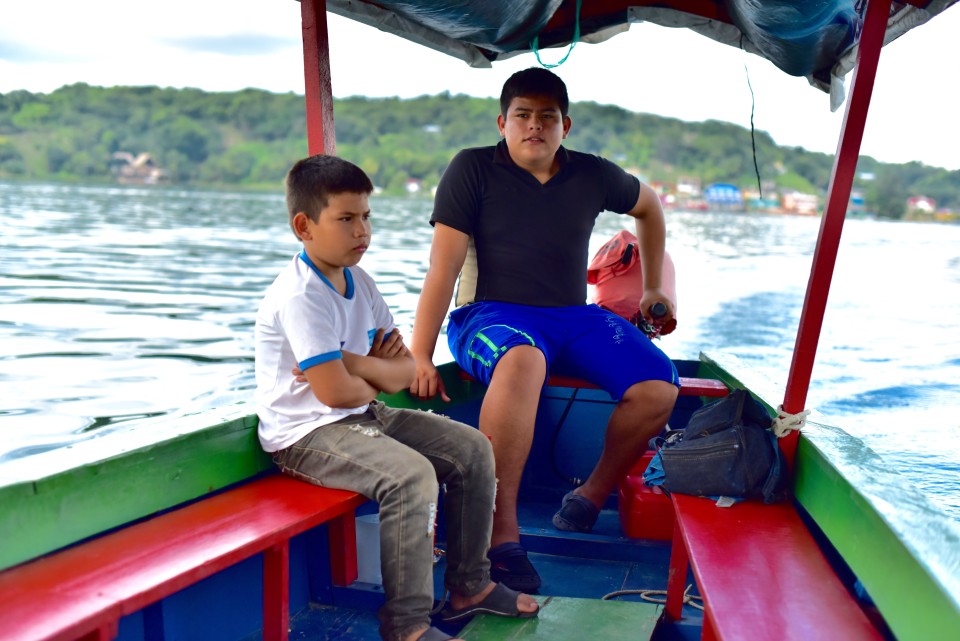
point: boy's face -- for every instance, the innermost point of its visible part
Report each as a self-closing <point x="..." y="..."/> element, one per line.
<point x="341" y="234"/>
<point x="533" y="129"/>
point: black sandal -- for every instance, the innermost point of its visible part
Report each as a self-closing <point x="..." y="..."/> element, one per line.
<point x="510" y="566"/>
<point x="501" y="601"/>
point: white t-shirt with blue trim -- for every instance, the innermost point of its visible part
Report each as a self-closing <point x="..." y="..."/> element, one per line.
<point x="304" y="321"/>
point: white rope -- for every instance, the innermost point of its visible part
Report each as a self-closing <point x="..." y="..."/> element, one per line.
<point x="786" y="423"/>
<point x="648" y="595"/>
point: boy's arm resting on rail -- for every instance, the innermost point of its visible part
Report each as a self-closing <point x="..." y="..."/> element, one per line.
<point x="447" y="253"/>
<point x="651" y="234"/>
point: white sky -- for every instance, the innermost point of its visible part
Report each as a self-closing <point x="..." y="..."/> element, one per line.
<point x="225" y="45"/>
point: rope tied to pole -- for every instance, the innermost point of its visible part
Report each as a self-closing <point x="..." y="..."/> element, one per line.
<point x="785" y="423"/>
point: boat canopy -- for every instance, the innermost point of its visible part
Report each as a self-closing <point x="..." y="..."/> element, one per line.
<point x="816" y="39"/>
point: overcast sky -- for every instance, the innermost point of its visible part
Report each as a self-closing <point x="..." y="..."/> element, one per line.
<point x="225" y="45"/>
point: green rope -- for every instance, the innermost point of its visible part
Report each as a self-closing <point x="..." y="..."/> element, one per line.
<point x="535" y="43"/>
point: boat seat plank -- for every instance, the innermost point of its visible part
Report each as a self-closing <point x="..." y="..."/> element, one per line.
<point x="771" y="583"/>
<point x="569" y="619"/>
<point x="688" y="386"/>
<point x="83" y="591"/>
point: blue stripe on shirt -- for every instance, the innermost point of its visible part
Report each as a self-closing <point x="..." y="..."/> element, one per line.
<point x="318" y="359"/>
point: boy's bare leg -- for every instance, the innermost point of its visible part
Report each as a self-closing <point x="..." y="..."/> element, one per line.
<point x="639" y="416"/>
<point x="508" y="416"/>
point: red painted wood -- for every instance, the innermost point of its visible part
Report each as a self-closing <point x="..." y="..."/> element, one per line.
<point x="318" y="87"/>
<point x="71" y="593"/>
<point x="688" y="386"/>
<point x="761" y="575"/>
<point x="276" y="592"/>
<point x="105" y="632"/>
<point x="342" y="533"/>
<point x="677" y="576"/>
<point x="838" y="197"/>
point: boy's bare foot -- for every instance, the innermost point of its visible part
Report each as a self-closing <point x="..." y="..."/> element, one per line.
<point x="525" y="602"/>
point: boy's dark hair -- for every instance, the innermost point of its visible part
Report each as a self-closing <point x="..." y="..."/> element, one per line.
<point x="534" y="81"/>
<point x="312" y="181"/>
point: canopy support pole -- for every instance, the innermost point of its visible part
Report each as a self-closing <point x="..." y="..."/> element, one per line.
<point x="321" y="137"/>
<point x="831" y="224"/>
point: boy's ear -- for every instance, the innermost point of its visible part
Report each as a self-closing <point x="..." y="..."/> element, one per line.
<point x="501" y="123"/>
<point x="301" y="226"/>
<point x="566" y="125"/>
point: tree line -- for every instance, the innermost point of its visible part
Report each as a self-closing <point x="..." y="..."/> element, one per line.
<point x="250" y="138"/>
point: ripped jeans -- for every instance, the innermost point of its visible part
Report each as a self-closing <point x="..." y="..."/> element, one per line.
<point x="398" y="457"/>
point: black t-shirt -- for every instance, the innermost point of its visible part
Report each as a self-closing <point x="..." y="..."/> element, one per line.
<point x="531" y="239"/>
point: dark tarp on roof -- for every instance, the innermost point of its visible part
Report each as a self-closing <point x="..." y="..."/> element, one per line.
<point x="811" y="38"/>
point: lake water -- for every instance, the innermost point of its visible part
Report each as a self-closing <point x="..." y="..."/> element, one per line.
<point x="118" y="304"/>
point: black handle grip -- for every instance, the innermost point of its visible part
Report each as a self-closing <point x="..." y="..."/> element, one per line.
<point x="658" y="310"/>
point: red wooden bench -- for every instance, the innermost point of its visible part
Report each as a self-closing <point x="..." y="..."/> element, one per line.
<point x="688" y="386"/>
<point x="83" y="591"/>
<point x="761" y="575"/>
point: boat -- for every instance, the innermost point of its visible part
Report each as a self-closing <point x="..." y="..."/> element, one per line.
<point x="182" y="528"/>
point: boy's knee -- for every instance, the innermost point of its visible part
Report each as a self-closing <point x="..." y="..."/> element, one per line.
<point x="651" y="396"/>
<point x="522" y="361"/>
<point x="418" y="481"/>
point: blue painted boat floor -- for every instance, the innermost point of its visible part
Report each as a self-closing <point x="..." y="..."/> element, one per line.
<point x="570" y="565"/>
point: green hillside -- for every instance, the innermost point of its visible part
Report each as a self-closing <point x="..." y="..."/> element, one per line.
<point x="250" y="138"/>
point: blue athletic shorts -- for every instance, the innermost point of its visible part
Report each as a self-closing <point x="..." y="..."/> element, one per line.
<point x="584" y="341"/>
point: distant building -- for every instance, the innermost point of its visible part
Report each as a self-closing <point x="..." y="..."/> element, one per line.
<point x="688" y="187"/>
<point x="723" y="196"/>
<point x="136" y="170"/>
<point x="921" y="205"/>
<point x="795" y="202"/>
<point x="858" y="204"/>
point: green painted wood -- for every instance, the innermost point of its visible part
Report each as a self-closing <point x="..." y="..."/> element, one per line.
<point x="904" y="550"/>
<point x="567" y="619"/>
<point x="56" y="498"/>
<point x="53" y="499"/>
<point x="460" y="390"/>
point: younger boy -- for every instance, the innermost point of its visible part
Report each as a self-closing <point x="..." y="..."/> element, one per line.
<point x="324" y="317"/>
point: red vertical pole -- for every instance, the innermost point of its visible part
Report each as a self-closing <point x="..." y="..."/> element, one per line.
<point x="677" y="574"/>
<point x="342" y="533"/>
<point x="276" y="591"/>
<point x="831" y="225"/>
<point x="321" y="138"/>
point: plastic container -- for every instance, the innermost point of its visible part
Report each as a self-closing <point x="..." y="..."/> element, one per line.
<point x="368" y="549"/>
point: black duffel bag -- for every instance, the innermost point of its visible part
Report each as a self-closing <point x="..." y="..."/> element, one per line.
<point x="726" y="450"/>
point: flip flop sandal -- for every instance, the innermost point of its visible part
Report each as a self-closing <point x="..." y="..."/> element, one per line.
<point x="510" y="566"/>
<point x="501" y="601"/>
<point x="434" y="634"/>
<point x="577" y="514"/>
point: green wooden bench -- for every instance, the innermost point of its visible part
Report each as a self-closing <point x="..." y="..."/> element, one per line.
<point x="567" y="619"/>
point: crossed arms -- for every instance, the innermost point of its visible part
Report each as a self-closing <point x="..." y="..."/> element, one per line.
<point x="355" y="379"/>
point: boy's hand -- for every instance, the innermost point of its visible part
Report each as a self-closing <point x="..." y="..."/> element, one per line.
<point x="428" y="383"/>
<point x="391" y="347"/>
<point x="298" y="375"/>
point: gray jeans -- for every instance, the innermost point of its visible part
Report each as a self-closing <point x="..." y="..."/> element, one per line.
<point x="398" y="458"/>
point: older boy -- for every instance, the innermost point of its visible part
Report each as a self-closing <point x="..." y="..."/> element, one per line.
<point x="516" y="219"/>
<point x="326" y="346"/>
